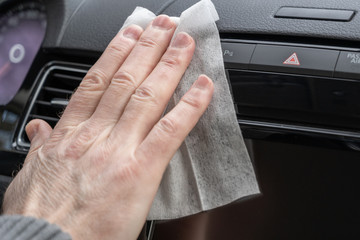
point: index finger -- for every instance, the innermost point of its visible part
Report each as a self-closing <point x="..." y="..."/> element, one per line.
<point x="86" y="98"/>
<point x="167" y="135"/>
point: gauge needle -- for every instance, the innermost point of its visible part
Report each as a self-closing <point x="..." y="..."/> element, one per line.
<point x="4" y="68"/>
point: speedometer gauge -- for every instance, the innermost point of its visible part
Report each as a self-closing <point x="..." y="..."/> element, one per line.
<point x="22" y="30"/>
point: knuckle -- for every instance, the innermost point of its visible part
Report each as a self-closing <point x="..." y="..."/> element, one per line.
<point x="168" y="126"/>
<point x="192" y="101"/>
<point x="145" y="93"/>
<point x="147" y="42"/>
<point x="171" y="61"/>
<point x="124" y="79"/>
<point x="117" y="50"/>
<point x="95" y="79"/>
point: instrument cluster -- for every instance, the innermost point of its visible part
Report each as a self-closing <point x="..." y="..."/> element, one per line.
<point x="22" y="30"/>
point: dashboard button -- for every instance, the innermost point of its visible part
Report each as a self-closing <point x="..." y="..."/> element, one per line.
<point x="237" y="55"/>
<point x="348" y="65"/>
<point x="310" y="61"/>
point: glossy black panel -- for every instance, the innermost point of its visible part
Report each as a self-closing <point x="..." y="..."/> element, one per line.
<point x="307" y="193"/>
<point x="302" y="100"/>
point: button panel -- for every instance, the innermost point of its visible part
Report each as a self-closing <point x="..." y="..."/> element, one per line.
<point x="309" y="61"/>
<point x="291" y="59"/>
<point x="348" y="65"/>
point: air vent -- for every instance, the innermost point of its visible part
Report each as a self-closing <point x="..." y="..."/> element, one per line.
<point x="57" y="83"/>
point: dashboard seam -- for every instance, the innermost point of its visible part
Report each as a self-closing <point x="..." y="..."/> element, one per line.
<point x="63" y="30"/>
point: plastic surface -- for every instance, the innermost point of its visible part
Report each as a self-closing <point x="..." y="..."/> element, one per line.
<point x="90" y="25"/>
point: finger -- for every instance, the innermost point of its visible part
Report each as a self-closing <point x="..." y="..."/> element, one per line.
<point x="140" y="63"/>
<point x="167" y="135"/>
<point x="38" y="131"/>
<point x="85" y="100"/>
<point x="148" y="102"/>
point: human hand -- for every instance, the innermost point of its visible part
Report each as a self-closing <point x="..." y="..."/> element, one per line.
<point x="96" y="174"/>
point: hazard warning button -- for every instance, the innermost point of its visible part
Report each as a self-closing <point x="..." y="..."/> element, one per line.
<point x="292" y="60"/>
<point x="309" y="61"/>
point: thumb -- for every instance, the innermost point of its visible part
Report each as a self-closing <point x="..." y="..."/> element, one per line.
<point x="38" y="131"/>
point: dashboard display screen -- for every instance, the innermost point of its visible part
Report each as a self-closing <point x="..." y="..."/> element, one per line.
<point x="22" y="31"/>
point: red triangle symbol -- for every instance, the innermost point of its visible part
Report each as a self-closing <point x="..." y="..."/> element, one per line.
<point x="292" y="60"/>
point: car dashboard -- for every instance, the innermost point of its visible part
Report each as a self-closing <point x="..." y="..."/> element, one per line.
<point x="294" y="72"/>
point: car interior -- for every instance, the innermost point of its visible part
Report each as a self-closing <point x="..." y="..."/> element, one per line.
<point x="294" y="71"/>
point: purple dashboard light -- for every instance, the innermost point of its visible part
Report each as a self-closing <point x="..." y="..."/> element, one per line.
<point x="21" y="32"/>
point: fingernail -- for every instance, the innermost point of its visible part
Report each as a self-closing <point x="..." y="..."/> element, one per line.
<point x="163" y="22"/>
<point x="133" y="32"/>
<point x="181" y="40"/>
<point x="202" y="82"/>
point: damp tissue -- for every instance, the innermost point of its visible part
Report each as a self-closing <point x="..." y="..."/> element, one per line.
<point x="212" y="168"/>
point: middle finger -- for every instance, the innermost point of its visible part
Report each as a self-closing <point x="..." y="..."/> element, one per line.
<point x="139" y="64"/>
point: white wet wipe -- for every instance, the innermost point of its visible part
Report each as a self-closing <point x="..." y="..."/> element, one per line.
<point x="212" y="168"/>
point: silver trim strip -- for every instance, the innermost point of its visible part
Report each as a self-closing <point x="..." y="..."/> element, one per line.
<point x="151" y="230"/>
<point x="324" y="131"/>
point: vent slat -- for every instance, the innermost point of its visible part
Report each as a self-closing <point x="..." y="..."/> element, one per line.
<point x="56" y="89"/>
<point x="46" y="118"/>
<point x="52" y="123"/>
<point x="66" y="76"/>
<point x="46" y="103"/>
